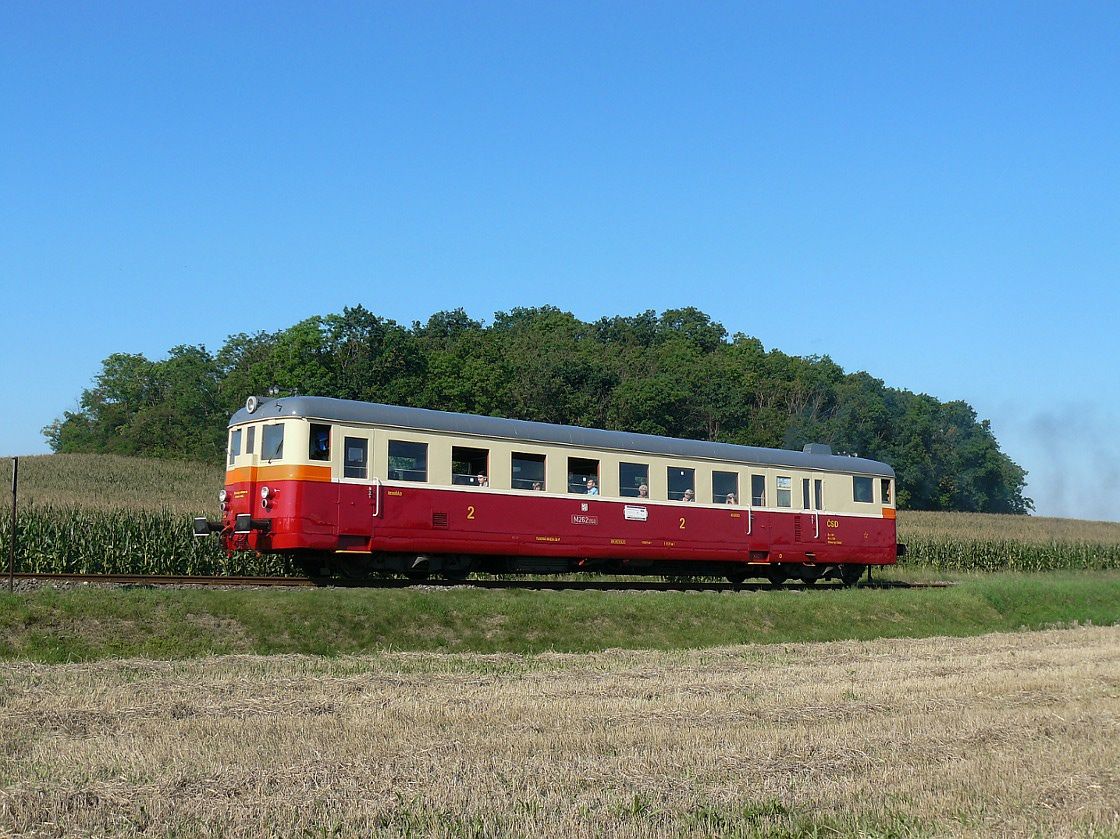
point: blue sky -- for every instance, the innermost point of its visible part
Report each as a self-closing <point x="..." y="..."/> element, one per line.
<point x="926" y="191"/>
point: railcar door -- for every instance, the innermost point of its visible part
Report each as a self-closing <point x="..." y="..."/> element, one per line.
<point x="810" y="527"/>
<point x="359" y="494"/>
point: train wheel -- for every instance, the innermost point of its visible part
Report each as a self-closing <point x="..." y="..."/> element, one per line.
<point x="777" y="577"/>
<point x="736" y="578"/>
<point x="417" y="575"/>
<point x="850" y="574"/>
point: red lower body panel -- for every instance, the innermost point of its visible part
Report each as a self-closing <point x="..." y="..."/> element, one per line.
<point x="325" y="516"/>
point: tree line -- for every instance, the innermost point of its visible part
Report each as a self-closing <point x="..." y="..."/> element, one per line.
<point x="677" y="374"/>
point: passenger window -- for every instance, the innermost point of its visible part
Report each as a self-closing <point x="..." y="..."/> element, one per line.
<point x="631" y="478"/>
<point x="725" y="488"/>
<point x="319" y="445"/>
<point x="682" y="483"/>
<point x="250" y="439"/>
<point x="357" y="457"/>
<point x="758" y="490"/>
<point x="583" y="476"/>
<point x="468" y="465"/>
<point x="272" y="442"/>
<point x="862" y="489"/>
<point x="818" y="490"/>
<point x="785" y="491"/>
<point x="804" y="493"/>
<point x="408" y="461"/>
<point x="886" y="490"/>
<point x="234" y="445"/>
<point x="528" y="471"/>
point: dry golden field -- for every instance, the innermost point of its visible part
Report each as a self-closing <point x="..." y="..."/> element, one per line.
<point x="999" y="735"/>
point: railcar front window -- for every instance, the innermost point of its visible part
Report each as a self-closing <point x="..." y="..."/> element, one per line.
<point x="863" y="490"/>
<point x="234" y="445"/>
<point x="785" y="491"/>
<point x="583" y="476"/>
<point x="725" y="488"/>
<point x="467" y="464"/>
<point x="408" y="461"/>
<point x="886" y="490"/>
<point x="357" y="457"/>
<point x="758" y="490"/>
<point x="631" y="477"/>
<point x="319" y="444"/>
<point x="682" y="483"/>
<point x="272" y="442"/>
<point x="528" y="471"/>
<point x="251" y="439"/>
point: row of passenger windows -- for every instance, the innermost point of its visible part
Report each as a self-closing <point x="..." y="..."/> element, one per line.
<point x="408" y="461"/>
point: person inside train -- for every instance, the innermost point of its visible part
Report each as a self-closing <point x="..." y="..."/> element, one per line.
<point x="537" y="486"/>
<point x="643" y="491"/>
<point x="591" y="488"/>
<point x="482" y="481"/>
<point x="730" y="498"/>
<point x="689" y="495"/>
<point x="321" y="444"/>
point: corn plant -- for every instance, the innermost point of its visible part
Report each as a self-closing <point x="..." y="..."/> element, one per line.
<point x="950" y="554"/>
<point x="72" y="540"/>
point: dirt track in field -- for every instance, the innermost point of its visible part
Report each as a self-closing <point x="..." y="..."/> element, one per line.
<point x="1000" y="735"/>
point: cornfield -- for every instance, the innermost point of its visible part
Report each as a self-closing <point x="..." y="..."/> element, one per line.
<point x="70" y="540"/>
<point x="961" y="555"/>
<point x="112" y="514"/>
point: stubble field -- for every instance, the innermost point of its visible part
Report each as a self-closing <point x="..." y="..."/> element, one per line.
<point x="997" y="735"/>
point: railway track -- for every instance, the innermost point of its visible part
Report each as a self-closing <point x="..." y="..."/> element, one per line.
<point x="529" y="585"/>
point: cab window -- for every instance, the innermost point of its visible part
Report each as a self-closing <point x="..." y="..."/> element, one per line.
<point x="408" y="461"/>
<point x="272" y="442"/>
<point x="319" y="445"/>
<point x="863" y="489"/>
<point x="234" y="445"/>
<point x="251" y="439"/>
<point x="886" y="490"/>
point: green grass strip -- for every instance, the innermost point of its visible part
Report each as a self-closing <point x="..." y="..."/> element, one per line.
<point x="93" y="623"/>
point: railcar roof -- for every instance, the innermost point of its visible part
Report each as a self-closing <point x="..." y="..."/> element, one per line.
<point x="345" y="410"/>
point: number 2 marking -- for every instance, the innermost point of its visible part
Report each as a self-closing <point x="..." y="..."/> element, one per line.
<point x="682" y="522"/>
<point x="470" y="513"/>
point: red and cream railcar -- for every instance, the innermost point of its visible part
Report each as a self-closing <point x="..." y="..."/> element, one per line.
<point x="365" y="487"/>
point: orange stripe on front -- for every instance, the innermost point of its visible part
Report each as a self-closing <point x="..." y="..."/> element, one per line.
<point x="889" y="512"/>
<point x="279" y="472"/>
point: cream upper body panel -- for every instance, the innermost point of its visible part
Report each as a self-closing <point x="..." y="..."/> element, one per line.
<point x="803" y="482"/>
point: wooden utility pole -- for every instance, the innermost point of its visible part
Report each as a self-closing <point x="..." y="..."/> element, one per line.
<point x="12" y="542"/>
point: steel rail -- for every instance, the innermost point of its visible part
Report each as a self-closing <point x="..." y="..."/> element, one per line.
<point x="391" y="583"/>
